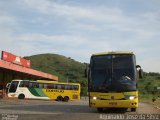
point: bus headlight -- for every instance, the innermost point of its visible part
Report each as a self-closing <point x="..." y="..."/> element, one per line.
<point x="132" y="97"/>
<point x="94" y="98"/>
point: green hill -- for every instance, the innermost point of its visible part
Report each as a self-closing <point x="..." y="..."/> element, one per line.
<point x="67" y="69"/>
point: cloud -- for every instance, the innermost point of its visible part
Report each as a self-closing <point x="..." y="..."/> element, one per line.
<point x="70" y="12"/>
<point x="51" y="8"/>
<point x="94" y="19"/>
<point x="6" y="19"/>
<point x="52" y="39"/>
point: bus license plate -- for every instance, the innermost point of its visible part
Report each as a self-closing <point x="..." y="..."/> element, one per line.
<point x="113" y="103"/>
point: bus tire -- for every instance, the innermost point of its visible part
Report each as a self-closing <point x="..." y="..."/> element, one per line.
<point x="59" y="98"/>
<point x="66" y="98"/>
<point x="133" y="109"/>
<point x="100" y="110"/>
<point x="21" y="96"/>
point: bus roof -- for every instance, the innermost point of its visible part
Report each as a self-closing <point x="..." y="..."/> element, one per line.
<point x="113" y="52"/>
<point x="68" y="83"/>
<point x="19" y="80"/>
<point x="45" y="81"/>
<point x="23" y="80"/>
<point x="61" y="83"/>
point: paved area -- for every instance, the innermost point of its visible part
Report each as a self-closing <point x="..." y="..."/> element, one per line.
<point x="72" y="110"/>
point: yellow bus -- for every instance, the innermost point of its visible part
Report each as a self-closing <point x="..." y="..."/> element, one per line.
<point x="61" y="91"/>
<point x="113" y="80"/>
<point x="42" y="89"/>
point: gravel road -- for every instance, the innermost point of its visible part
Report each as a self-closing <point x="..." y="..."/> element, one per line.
<point x="72" y="110"/>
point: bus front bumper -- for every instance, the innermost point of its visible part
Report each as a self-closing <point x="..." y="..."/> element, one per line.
<point x="114" y="103"/>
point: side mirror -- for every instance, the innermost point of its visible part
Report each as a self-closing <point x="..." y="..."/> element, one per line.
<point x="140" y="71"/>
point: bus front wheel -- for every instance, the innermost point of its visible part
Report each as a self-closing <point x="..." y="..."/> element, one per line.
<point x="21" y="96"/>
<point x="59" y="98"/>
<point x="66" y="98"/>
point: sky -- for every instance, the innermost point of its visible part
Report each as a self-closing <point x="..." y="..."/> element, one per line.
<point x="80" y="28"/>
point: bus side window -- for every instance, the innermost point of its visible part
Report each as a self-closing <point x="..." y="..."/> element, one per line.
<point x="41" y="85"/>
<point x="59" y="86"/>
<point x="76" y="87"/>
<point x="21" y="84"/>
<point x="26" y="83"/>
<point x="73" y="88"/>
<point x="37" y="85"/>
<point x="50" y="86"/>
<point x="55" y="86"/>
<point x="45" y="86"/>
<point x="30" y="85"/>
<point x="70" y="87"/>
<point x="62" y="87"/>
<point x="34" y="85"/>
<point x="66" y="87"/>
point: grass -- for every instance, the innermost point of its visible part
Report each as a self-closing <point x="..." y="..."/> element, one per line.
<point x="145" y="98"/>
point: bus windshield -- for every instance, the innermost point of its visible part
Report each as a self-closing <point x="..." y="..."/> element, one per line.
<point x="13" y="86"/>
<point x="113" y="73"/>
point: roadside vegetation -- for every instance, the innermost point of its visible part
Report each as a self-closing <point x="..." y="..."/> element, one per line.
<point x="149" y="87"/>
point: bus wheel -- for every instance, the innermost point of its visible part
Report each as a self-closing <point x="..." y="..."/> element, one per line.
<point x="21" y="96"/>
<point x="66" y="98"/>
<point x="59" y="98"/>
<point x="133" y="109"/>
<point x="100" y="109"/>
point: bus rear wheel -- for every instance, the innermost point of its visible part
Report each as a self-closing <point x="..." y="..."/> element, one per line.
<point x="21" y="96"/>
<point x="66" y="98"/>
<point x="59" y="98"/>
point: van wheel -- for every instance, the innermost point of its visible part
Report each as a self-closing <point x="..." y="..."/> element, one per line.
<point x="59" y="98"/>
<point x="133" y="109"/>
<point x="21" y="96"/>
<point x="66" y="98"/>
